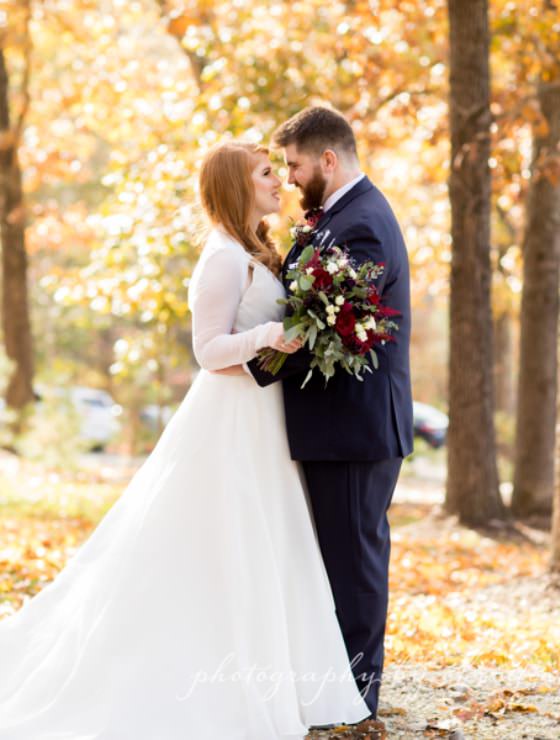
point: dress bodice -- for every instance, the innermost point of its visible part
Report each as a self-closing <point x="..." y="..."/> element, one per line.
<point x="259" y="301"/>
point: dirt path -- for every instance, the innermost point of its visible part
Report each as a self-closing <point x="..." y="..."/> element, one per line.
<point x="463" y="702"/>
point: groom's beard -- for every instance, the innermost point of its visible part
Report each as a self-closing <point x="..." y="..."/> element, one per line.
<point x="313" y="192"/>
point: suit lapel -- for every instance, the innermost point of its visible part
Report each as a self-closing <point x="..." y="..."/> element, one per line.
<point x="359" y="188"/>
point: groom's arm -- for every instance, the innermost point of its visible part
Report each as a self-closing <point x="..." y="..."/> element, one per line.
<point x="295" y="364"/>
<point x="366" y="244"/>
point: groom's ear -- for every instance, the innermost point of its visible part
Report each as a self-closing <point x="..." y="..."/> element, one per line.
<point x="329" y="160"/>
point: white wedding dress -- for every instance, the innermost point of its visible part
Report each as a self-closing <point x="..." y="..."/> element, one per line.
<point x="199" y="608"/>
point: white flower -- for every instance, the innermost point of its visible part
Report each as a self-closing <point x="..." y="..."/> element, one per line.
<point x="370" y="323"/>
<point x="360" y="332"/>
<point x="342" y="262"/>
<point x="352" y="273"/>
<point x="306" y="229"/>
<point x="336" y="309"/>
<point x="339" y="300"/>
<point x="293" y="286"/>
<point x="293" y="232"/>
<point x="330" y="309"/>
<point x="332" y="268"/>
<point x="331" y="319"/>
<point x="309" y="270"/>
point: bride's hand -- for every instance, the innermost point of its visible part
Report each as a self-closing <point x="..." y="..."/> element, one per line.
<point x="278" y="341"/>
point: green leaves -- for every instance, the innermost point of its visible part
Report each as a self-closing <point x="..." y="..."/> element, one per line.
<point x="294" y="332"/>
<point x="305" y="282"/>
<point x="307" y="254"/>
<point x="312" y="336"/>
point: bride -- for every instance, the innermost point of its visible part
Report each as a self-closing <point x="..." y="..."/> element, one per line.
<point x="199" y="608"/>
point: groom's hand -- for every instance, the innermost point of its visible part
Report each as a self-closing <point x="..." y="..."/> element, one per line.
<point x="231" y="370"/>
<point x="296" y="364"/>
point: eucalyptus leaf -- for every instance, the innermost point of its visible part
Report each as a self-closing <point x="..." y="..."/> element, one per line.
<point x="306" y="255"/>
<point x="307" y="378"/>
<point x="305" y="282"/>
<point x="293" y="332"/>
<point x="312" y="336"/>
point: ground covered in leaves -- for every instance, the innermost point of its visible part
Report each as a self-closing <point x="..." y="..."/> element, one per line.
<point x="473" y="637"/>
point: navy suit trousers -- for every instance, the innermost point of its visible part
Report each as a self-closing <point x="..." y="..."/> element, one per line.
<point x="349" y="502"/>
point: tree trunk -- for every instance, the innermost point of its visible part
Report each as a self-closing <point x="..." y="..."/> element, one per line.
<point x="536" y="405"/>
<point x="472" y="483"/>
<point x="16" y="323"/>
<point x="555" y="552"/>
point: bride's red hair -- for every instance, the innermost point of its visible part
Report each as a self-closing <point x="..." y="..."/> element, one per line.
<point x="227" y="192"/>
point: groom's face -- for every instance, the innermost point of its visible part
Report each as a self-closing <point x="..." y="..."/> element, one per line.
<point x="305" y="172"/>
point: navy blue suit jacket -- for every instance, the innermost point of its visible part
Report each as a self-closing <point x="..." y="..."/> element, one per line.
<point x="351" y="420"/>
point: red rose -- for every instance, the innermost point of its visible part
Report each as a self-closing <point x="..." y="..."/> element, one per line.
<point x="386" y="311"/>
<point x="323" y="279"/>
<point x="312" y="217"/>
<point x="315" y="261"/>
<point x="373" y="296"/>
<point x="345" y="321"/>
<point x="383" y="337"/>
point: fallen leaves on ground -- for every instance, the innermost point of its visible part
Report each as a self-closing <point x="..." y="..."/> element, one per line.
<point x="444" y="605"/>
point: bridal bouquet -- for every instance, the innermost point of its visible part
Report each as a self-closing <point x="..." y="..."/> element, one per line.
<point x="334" y="306"/>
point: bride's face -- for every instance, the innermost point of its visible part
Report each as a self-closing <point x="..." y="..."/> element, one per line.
<point x="267" y="187"/>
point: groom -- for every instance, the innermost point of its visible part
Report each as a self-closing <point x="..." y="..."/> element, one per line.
<point x="350" y="436"/>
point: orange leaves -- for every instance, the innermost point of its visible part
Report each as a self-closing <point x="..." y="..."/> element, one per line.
<point x="33" y="551"/>
<point x="40" y="528"/>
<point x="178" y="25"/>
<point x="458" y="596"/>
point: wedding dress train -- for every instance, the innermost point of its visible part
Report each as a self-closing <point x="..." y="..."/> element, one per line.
<point x="199" y="608"/>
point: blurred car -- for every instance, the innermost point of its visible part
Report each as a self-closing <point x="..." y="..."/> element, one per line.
<point x="98" y="413"/>
<point x="430" y="424"/>
<point x="155" y="416"/>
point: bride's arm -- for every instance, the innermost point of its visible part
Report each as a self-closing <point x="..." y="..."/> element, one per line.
<point x="214" y="298"/>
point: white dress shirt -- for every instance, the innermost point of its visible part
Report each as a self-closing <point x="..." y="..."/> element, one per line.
<point x="337" y="195"/>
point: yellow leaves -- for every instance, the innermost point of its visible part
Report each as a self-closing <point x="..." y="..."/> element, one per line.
<point x="43" y="519"/>
<point x="441" y="604"/>
<point x="504" y="701"/>
<point x="6" y="585"/>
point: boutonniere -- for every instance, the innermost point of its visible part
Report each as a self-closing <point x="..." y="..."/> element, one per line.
<point x="302" y="233"/>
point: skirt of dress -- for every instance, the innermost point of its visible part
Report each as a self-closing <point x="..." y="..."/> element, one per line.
<point x="199" y="608"/>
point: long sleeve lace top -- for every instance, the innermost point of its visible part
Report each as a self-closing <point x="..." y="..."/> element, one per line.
<point x="221" y="277"/>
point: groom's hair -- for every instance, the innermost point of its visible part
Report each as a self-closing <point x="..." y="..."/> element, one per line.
<point x="315" y="129"/>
